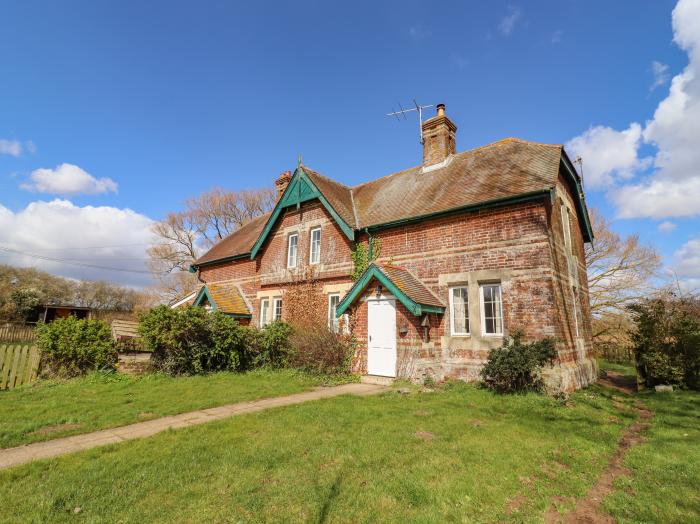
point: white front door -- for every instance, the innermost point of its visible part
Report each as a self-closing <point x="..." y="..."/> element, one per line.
<point x="381" y="337"/>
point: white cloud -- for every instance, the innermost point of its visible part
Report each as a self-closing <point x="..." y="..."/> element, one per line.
<point x="509" y="21"/>
<point x="673" y="188"/>
<point x="68" y="179"/>
<point x="687" y="264"/>
<point x="666" y="227"/>
<point x="10" y="147"/>
<point x="102" y="236"/>
<point x="556" y="36"/>
<point x="608" y="155"/>
<point x="660" y="72"/>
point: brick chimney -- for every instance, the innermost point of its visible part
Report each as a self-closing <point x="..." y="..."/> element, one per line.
<point x="282" y="182"/>
<point x="438" y="138"/>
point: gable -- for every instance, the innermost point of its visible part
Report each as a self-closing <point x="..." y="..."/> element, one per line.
<point x="300" y="189"/>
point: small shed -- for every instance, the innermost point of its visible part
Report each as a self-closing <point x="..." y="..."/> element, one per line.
<point x="56" y="311"/>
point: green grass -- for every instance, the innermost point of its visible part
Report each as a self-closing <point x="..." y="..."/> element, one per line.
<point x="624" y="369"/>
<point x="664" y="485"/>
<point x="51" y="409"/>
<point x="457" y="454"/>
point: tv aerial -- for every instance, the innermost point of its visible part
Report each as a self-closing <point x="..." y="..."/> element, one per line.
<point x="418" y="109"/>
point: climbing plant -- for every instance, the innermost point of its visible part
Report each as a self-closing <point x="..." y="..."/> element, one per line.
<point x="363" y="256"/>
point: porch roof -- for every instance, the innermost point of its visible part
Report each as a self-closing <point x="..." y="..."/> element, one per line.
<point x="408" y="290"/>
<point x="225" y="297"/>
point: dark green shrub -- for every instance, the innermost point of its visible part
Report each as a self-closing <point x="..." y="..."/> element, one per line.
<point x="667" y="341"/>
<point x="516" y="366"/>
<point x="71" y="347"/>
<point x="318" y="350"/>
<point x="270" y="346"/>
<point x="193" y="340"/>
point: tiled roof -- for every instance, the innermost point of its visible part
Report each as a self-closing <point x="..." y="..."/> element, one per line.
<point x="504" y="169"/>
<point x="411" y="286"/>
<point x="237" y="243"/>
<point x="227" y="298"/>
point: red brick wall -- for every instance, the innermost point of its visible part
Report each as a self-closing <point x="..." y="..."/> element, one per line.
<point x="521" y="244"/>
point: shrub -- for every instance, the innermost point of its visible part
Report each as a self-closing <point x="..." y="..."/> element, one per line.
<point x="193" y="340"/>
<point x="516" y="366"/>
<point x="71" y="347"/>
<point x="321" y="351"/>
<point x="667" y="341"/>
<point x="269" y="346"/>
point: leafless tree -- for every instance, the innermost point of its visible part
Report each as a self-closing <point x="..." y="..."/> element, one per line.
<point x="186" y="234"/>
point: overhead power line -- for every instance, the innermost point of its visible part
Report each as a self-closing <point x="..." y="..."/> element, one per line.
<point x="73" y="263"/>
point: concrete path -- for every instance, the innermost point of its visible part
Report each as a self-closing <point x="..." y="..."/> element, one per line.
<point x="62" y="446"/>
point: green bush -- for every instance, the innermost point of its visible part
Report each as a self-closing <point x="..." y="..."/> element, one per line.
<point x="193" y="340"/>
<point x="516" y="366"/>
<point x="71" y="347"/>
<point x="667" y="341"/>
<point x="269" y="346"/>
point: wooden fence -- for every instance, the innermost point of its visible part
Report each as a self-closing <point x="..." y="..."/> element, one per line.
<point x="16" y="333"/>
<point x="19" y="364"/>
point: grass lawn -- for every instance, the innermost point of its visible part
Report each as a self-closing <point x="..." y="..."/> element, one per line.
<point x="457" y="454"/>
<point x="48" y="409"/>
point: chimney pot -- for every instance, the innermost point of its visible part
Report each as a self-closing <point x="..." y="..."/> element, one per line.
<point x="282" y="182"/>
<point x="441" y="109"/>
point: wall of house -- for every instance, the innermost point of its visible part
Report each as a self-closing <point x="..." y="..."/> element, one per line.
<point x="520" y="246"/>
<point x="268" y="276"/>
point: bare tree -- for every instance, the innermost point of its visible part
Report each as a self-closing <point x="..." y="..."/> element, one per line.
<point x="620" y="270"/>
<point x="206" y="219"/>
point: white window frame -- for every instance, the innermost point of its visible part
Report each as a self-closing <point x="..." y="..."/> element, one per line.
<point x="453" y="331"/>
<point x="566" y="227"/>
<point x="264" y="310"/>
<point x="315" y="259"/>
<point x="292" y="262"/>
<point x="483" y="309"/>
<point x="334" y="322"/>
<point x="277" y="301"/>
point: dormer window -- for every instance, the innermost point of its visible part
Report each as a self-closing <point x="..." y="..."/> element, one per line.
<point x="292" y="248"/>
<point x="315" y="247"/>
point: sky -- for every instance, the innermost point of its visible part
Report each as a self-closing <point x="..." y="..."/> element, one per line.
<point x="114" y="113"/>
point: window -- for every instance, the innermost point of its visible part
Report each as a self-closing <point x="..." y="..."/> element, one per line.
<point x="491" y="310"/>
<point x="565" y="224"/>
<point x="459" y="310"/>
<point x="333" y="321"/>
<point x="575" y="295"/>
<point x="315" y="248"/>
<point x="277" y="309"/>
<point x="292" y="245"/>
<point x="264" y="312"/>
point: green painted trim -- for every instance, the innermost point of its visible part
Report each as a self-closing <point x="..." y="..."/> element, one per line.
<point x="195" y="267"/>
<point x="582" y="209"/>
<point x="300" y="189"/>
<point x="238" y="315"/>
<point x="204" y="292"/>
<point x="374" y="272"/>
<point x="525" y="197"/>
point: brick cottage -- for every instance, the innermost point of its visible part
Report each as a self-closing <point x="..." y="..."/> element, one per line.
<point x="473" y="246"/>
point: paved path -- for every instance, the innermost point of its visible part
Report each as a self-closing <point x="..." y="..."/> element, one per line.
<point x="62" y="446"/>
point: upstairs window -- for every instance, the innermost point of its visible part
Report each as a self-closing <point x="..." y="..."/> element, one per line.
<point x="491" y="310"/>
<point x="292" y="248"/>
<point x="277" y="309"/>
<point x="566" y="225"/>
<point x="264" y="312"/>
<point x="315" y="247"/>
<point x="459" y="310"/>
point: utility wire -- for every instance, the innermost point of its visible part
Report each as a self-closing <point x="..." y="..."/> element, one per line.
<point x="74" y="263"/>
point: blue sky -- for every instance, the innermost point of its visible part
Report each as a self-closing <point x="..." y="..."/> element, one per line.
<point x="153" y="102"/>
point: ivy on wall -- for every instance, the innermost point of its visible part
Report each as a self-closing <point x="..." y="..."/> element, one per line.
<point x="363" y="255"/>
